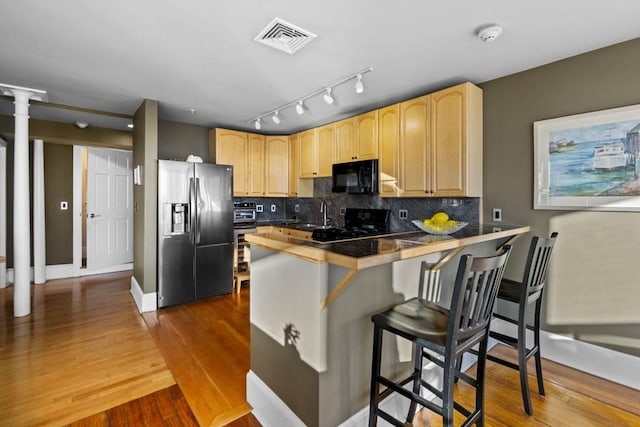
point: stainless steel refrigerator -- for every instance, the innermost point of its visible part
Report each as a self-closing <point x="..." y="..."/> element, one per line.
<point x="195" y="231"/>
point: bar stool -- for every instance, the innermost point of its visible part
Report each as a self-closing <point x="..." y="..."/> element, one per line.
<point x="441" y="336"/>
<point x="527" y="294"/>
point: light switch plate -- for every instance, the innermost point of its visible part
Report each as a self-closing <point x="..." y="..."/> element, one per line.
<point x="497" y="215"/>
<point x="343" y="211"/>
<point x="259" y="208"/>
<point x="64" y="206"/>
<point x="296" y="208"/>
<point x="273" y="208"/>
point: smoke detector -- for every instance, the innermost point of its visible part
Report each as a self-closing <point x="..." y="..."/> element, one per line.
<point x="490" y="33"/>
<point x="282" y="35"/>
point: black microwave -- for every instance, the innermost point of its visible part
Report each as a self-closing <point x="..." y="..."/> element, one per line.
<point x="356" y="177"/>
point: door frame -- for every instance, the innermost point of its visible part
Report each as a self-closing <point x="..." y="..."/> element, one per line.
<point x="78" y="270"/>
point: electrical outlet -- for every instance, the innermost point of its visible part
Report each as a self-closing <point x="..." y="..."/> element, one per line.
<point x="497" y="215"/>
<point x="273" y="208"/>
<point x="259" y="208"/>
<point x="296" y="208"/>
<point x="343" y="211"/>
<point x="403" y="214"/>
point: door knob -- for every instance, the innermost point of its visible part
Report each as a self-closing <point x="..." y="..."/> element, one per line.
<point x="93" y="215"/>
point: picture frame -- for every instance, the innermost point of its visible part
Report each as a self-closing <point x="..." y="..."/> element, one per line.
<point x="588" y="161"/>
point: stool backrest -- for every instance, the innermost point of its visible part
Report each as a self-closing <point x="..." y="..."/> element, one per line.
<point x="474" y="296"/>
<point x="536" y="268"/>
<point x="430" y="288"/>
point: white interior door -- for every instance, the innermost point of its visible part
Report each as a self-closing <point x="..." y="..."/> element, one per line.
<point x="109" y="208"/>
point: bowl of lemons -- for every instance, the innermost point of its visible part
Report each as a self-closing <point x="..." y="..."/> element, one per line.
<point x="439" y="223"/>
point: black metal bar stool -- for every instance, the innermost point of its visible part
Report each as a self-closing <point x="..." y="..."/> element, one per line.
<point x="441" y="336"/>
<point x="528" y="295"/>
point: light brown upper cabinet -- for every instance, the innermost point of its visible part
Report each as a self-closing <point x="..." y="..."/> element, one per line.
<point x="316" y="151"/>
<point x="356" y="138"/>
<point x="439" y="145"/>
<point x="231" y="148"/>
<point x="456" y="147"/>
<point x="277" y="166"/>
<point x="256" y="165"/>
<point x="294" y="164"/>
<point x="260" y="163"/>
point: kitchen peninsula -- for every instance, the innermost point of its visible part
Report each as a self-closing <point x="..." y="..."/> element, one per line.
<point x="310" y="311"/>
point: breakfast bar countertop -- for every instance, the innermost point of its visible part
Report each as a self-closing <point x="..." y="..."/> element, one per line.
<point x="366" y="252"/>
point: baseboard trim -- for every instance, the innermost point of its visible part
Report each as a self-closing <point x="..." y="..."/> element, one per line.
<point x="602" y="362"/>
<point x="268" y="408"/>
<point x="144" y="302"/>
<point x="64" y="271"/>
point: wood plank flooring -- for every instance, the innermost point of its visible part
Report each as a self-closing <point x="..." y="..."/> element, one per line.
<point x="83" y="349"/>
<point x="206" y="347"/>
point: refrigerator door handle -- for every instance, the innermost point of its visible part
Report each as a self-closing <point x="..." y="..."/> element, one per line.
<point x="197" y="203"/>
<point x="192" y="211"/>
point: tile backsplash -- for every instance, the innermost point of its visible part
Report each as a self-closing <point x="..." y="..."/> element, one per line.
<point x="461" y="209"/>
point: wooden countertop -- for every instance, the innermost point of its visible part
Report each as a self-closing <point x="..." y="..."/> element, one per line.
<point x="358" y="254"/>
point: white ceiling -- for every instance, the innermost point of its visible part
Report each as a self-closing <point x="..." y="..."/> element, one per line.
<point x="110" y="55"/>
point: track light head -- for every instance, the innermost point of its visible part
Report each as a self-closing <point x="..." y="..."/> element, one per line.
<point x="359" y="84"/>
<point x="276" y="117"/>
<point x="257" y="124"/>
<point x="328" y="98"/>
<point x="300" y="107"/>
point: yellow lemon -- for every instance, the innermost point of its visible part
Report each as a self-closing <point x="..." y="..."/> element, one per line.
<point x="440" y="217"/>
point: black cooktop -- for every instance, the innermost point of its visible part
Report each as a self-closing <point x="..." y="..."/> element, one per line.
<point x="358" y="222"/>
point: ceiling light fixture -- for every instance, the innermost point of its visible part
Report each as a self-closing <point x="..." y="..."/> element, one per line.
<point x="81" y="125"/>
<point x="130" y="125"/>
<point x="489" y="33"/>
<point x="299" y="103"/>
<point x="328" y="98"/>
<point x="359" y="84"/>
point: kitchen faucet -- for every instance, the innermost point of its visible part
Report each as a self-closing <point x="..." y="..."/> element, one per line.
<point x="323" y="209"/>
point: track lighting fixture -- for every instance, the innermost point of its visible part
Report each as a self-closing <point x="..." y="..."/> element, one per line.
<point x="359" y="84"/>
<point x="328" y="98"/>
<point x="299" y="105"/>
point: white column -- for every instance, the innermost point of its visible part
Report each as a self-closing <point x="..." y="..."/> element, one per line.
<point x="3" y="213"/>
<point x="21" y="226"/>
<point x="39" y="247"/>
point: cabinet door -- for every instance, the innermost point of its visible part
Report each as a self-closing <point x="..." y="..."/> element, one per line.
<point x="277" y="165"/>
<point x="232" y="149"/>
<point x="294" y="164"/>
<point x="324" y="150"/>
<point x="367" y="135"/>
<point x="345" y="134"/>
<point x="256" y="165"/>
<point x="389" y="161"/>
<point x="448" y="136"/>
<point x="307" y="144"/>
<point x="414" y="138"/>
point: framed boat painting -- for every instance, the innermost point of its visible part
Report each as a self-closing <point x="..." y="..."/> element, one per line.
<point x="588" y="161"/>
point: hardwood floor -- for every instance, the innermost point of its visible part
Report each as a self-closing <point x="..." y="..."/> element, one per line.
<point x="83" y="349"/>
<point x="85" y="330"/>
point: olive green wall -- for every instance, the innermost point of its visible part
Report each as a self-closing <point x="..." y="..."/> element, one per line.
<point x="145" y="196"/>
<point x="177" y="140"/>
<point x="598" y="80"/>
<point x="58" y="186"/>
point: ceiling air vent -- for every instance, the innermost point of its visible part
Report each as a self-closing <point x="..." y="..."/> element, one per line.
<point x="282" y="35"/>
